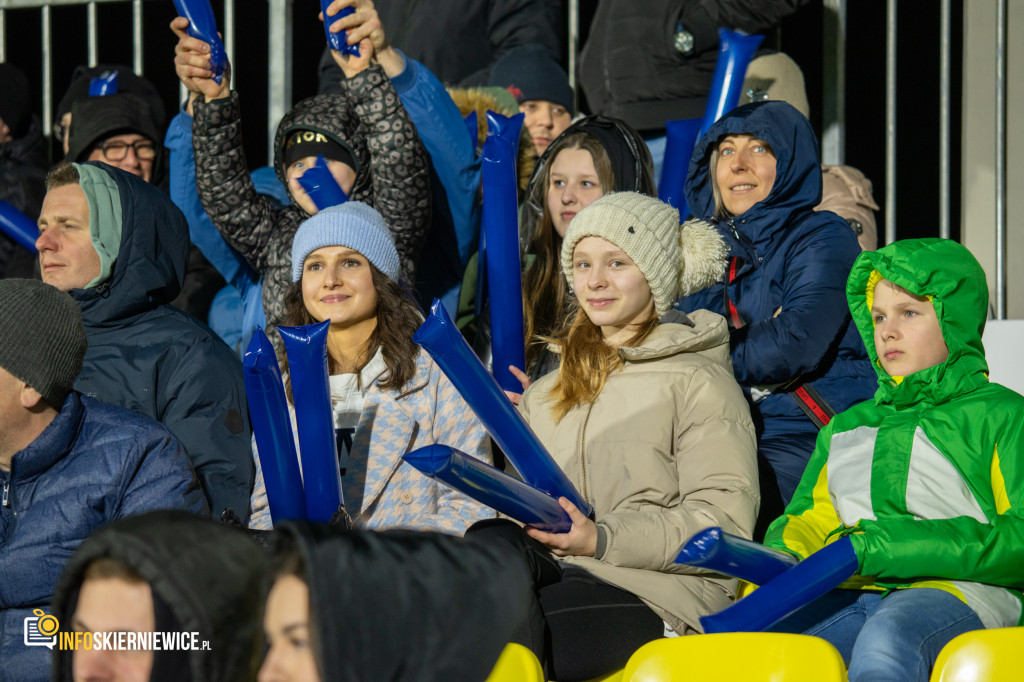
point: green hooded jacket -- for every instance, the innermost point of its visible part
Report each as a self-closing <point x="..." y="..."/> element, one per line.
<point x="927" y="478"/>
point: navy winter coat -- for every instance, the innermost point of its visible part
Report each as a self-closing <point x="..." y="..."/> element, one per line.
<point x="93" y="464"/>
<point x="788" y="257"/>
<point x="154" y="359"/>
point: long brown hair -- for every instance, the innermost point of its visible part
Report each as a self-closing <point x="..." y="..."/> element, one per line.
<point x="397" y="320"/>
<point x="544" y="288"/>
<point x="587" y="361"/>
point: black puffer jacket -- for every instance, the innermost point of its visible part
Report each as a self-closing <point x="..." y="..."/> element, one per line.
<point x="22" y="184"/>
<point x="405" y="606"/>
<point x="367" y="117"/>
<point x="630" y="68"/>
<point x="154" y="359"/>
<point x="206" y="578"/>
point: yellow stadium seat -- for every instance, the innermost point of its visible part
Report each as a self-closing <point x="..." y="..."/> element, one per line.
<point x="746" y="656"/>
<point x="982" y="656"/>
<point x="516" y="664"/>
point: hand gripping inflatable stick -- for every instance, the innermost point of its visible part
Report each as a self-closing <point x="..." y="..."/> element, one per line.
<point x="17" y="226"/>
<point x="493" y="487"/>
<point x="794" y="587"/>
<point x="439" y="337"/>
<point x="268" y="409"/>
<point x="732" y="555"/>
<point x="338" y="41"/>
<point x="306" y="347"/>
<point x="320" y="185"/>
<point x="203" y="26"/>
<point x="501" y="226"/>
<point x="734" y="53"/>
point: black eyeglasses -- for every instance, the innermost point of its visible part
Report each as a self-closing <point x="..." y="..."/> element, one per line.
<point x="117" y="150"/>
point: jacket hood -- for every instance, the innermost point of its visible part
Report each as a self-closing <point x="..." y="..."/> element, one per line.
<point x="699" y="332"/>
<point x="210" y="577"/>
<point x="798" y="171"/>
<point x="444" y="589"/>
<point x="950" y="275"/>
<point x="152" y="258"/>
<point x="335" y="117"/>
<point x="630" y="160"/>
<point x="93" y="119"/>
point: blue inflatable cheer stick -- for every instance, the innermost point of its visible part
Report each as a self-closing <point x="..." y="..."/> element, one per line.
<point x="18" y="226"/>
<point x="306" y="347"/>
<point x="501" y="225"/>
<point x="103" y="85"/>
<point x="491" y="486"/>
<point x="321" y="186"/>
<point x="813" y="577"/>
<point x="680" y="138"/>
<point x="441" y="338"/>
<point x="337" y="41"/>
<point x="473" y="129"/>
<point x="203" y="26"/>
<point x="268" y="409"/>
<point x="732" y="555"/>
<point x="734" y="53"/>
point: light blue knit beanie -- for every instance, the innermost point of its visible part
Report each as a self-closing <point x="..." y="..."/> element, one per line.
<point x="353" y="224"/>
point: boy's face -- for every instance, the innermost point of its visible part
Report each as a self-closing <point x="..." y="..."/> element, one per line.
<point x="907" y="333"/>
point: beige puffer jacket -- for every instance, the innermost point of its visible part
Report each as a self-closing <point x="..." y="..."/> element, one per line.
<point x="666" y="450"/>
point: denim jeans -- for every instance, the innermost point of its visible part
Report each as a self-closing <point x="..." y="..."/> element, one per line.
<point x="897" y="637"/>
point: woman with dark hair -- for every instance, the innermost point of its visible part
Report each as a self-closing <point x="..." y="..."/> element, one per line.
<point x="795" y="350"/>
<point x="594" y="156"/>
<point x="388" y="397"/>
<point x="647" y="422"/>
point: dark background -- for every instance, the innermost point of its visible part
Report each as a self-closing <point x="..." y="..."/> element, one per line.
<point x="800" y="36"/>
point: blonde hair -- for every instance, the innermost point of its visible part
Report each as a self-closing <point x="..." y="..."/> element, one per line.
<point x="587" y="361"/>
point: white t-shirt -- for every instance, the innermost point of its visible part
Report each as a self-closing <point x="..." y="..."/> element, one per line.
<point x="348" y="394"/>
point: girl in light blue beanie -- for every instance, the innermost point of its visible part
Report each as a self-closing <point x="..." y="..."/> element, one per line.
<point x="387" y="395"/>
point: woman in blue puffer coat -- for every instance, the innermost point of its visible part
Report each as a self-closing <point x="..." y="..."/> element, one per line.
<point x="756" y="175"/>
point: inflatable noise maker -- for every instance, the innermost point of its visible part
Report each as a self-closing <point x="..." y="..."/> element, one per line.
<point x="203" y="26"/>
<point x="785" y="585"/>
<point x="17" y="226"/>
<point x="105" y="84"/>
<point x="735" y="51"/>
<point x="445" y="344"/>
<point x="501" y="236"/>
<point x="472" y="129"/>
<point x="491" y="486"/>
<point x="306" y="347"/>
<point x="268" y="408"/>
<point x="338" y="41"/>
<point x="323" y="190"/>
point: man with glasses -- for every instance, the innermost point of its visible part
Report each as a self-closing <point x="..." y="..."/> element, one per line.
<point x="118" y="130"/>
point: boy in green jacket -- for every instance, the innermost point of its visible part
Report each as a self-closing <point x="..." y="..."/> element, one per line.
<point x="926" y="478"/>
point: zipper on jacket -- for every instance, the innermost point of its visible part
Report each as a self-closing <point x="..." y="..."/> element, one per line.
<point x="7" y="489"/>
<point x="581" y="455"/>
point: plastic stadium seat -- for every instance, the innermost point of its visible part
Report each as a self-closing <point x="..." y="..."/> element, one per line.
<point x="982" y="656"/>
<point x="516" y="664"/>
<point x="747" y="656"/>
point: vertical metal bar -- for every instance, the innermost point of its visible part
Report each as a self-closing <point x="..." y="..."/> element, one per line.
<point x="90" y="23"/>
<point x="3" y="35"/>
<point x="1000" y="170"/>
<point x="833" y="138"/>
<point x="279" y="56"/>
<point x="229" y="32"/>
<point x="137" y="36"/>
<point x="47" y="72"/>
<point x="945" y="141"/>
<point x="890" y="122"/>
<point x="574" y="46"/>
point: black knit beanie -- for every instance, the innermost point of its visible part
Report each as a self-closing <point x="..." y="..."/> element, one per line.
<point x="42" y="341"/>
<point x="302" y="143"/>
<point x="529" y="72"/>
<point x="15" y="102"/>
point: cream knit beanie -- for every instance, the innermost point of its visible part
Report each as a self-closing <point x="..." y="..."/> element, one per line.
<point x="648" y="230"/>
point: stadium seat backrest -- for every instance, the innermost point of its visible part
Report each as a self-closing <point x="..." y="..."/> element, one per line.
<point x="982" y="656"/>
<point x="516" y="664"/>
<point x="747" y="656"/>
